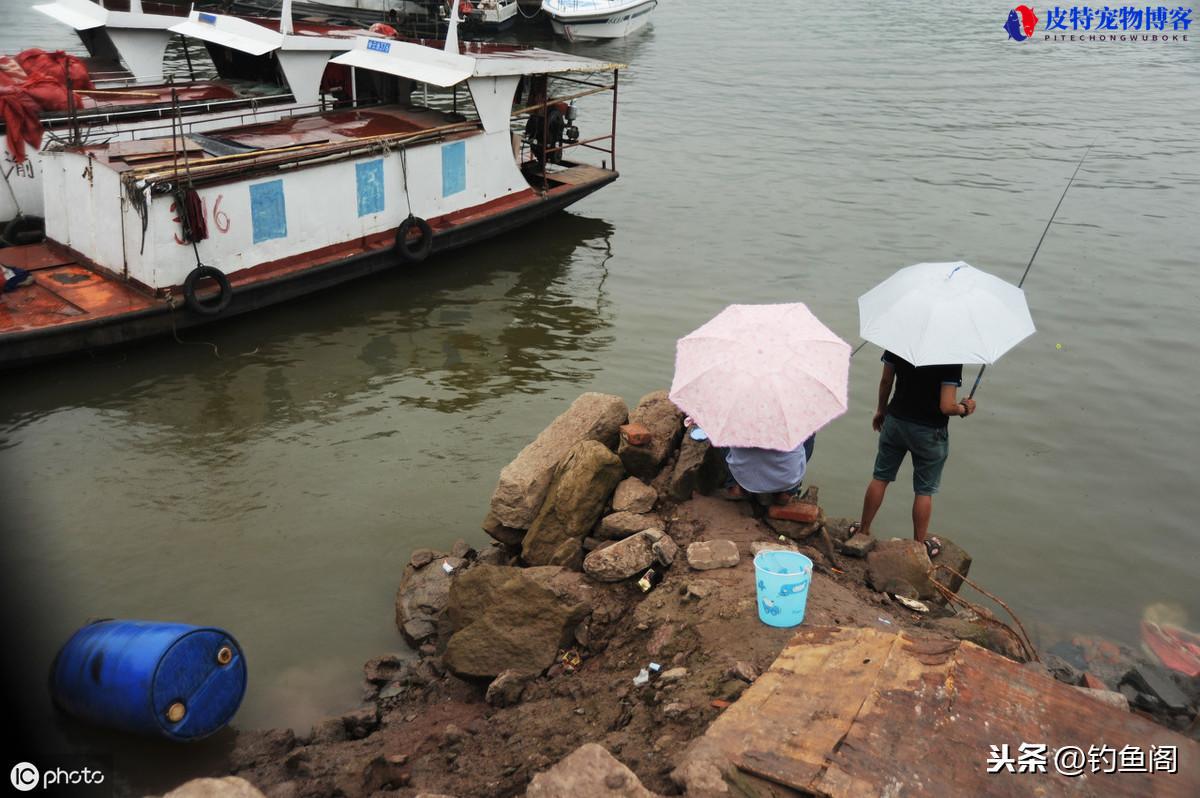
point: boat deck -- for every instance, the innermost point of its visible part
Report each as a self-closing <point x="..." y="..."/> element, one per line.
<point x="330" y="127"/>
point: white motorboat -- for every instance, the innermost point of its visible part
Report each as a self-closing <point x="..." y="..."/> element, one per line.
<point x="579" y="20"/>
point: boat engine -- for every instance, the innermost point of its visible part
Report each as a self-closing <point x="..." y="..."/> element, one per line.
<point x="571" y="132"/>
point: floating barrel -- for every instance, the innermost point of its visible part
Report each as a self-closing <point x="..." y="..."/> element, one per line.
<point x="170" y="679"/>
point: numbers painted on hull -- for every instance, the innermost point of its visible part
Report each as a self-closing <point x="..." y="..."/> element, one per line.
<point x="220" y="219"/>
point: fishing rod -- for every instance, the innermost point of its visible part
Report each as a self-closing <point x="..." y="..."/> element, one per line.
<point x="1028" y="266"/>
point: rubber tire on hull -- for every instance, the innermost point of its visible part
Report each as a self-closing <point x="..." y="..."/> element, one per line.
<point x="23" y="229"/>
<point x="414" y="251"/>
<point x="207" y="308"/>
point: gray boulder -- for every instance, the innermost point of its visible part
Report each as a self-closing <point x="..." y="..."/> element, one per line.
<point x="904" y="560"/>
<point x="524" y="482"/>
<point x="634" y="496"/>
<point x="503" y="619"/>
<point x="578" y="493"/>
<point x="708" y="554"/>
<point x="699" y="468"/>
<point x="227" y="787"/>
<point x="589" y="771"/>
<point x="629" y="557"/>
<point x="665" y="421"/>
<point x="954" y="556"/>
<point x="623" y="524"/>
<point x="421" y="598"/>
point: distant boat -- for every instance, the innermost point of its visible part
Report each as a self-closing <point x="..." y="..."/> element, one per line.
<point x="491" y="15"/>
<point x="579" y="20"/>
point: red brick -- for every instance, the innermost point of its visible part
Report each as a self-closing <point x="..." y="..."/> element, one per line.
<point x="800" y="512"/>
<point x="1093" y="682"/>
<point x="635" y="434"/>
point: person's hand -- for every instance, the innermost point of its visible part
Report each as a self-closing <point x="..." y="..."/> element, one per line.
<point x="969" y="404"/>
<point x="877" y="422"/>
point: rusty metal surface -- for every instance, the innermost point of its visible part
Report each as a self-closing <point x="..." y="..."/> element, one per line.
<point x="851" y="712"/>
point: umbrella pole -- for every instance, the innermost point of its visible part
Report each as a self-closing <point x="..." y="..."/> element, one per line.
<point x="1036" y="249"/>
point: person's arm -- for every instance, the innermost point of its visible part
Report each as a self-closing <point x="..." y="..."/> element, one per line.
<point x="950" y="404"/>
<point x="885" y="393"/>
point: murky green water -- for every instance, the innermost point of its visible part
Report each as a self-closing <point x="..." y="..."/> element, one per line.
<point x="278" y="490"/>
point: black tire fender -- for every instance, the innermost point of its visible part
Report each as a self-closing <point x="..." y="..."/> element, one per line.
<point x="23" y="229"/>
<point x="418" y="249"/>
<point x="209" y="307"/>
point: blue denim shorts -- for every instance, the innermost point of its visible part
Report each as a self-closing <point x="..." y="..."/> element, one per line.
<point x="929" y="447"/>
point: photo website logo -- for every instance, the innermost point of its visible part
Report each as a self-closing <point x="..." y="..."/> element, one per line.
<point x="25" y="777"/>
<point x="1124" y="23"/>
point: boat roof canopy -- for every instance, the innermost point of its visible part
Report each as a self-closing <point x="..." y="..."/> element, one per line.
<point x="258" y="37"/>
<point x="439" y="68"/>
<point x="239" y="34"/>
<point x="86" y="15"/>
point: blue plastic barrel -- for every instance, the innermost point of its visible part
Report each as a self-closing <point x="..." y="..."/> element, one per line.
<point x="169" y="679"/>
<point x="782" y="579"/>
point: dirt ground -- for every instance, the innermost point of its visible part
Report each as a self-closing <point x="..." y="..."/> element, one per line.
<point x="443" y="737"/>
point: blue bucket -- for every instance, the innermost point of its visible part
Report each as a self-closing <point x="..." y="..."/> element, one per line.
<point x="782" y="578"/>
<point x="169" y="679"/>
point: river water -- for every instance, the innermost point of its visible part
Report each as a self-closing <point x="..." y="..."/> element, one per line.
<point x="766" y="155"/>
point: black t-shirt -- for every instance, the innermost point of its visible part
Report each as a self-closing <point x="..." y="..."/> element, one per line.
<point x="918" y="394"/>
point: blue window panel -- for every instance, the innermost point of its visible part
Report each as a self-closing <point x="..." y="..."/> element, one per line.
<point x="268" y="213"/>
<point x="454" y="168"/>
<point x="370" y="187"/>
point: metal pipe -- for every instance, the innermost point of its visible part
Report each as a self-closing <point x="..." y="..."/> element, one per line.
<point x="616" y="73"/>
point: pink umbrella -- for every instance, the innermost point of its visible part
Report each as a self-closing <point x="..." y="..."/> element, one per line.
<point x="761" y="375"/>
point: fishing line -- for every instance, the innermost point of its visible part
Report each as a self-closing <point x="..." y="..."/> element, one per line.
<point x="1028" y="266"/>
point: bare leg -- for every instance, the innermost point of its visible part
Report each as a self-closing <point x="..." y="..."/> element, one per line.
<point x="922" y="510"/>
<point x="871" y="503"/>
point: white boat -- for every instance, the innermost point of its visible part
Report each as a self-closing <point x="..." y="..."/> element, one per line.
<point x="580" y="20"/>
<point x="492" y="15"/>
<point x="250" y="60"/>
<point x="166" y="234"/>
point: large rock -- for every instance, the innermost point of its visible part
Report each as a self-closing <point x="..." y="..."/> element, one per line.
<point x="580" y="489"/>
<point x="708" y="554"/>
<point x="629" y="557"/>
<point x="990" y="635"/>
<point x="503" y="619"/>
<point x="952" y="556"/>
<point x="421" y="598"/>
<point x="524" y="482"/>
<point x="634" y="496"/>
<point x="227" y="787"/>
<point x="699" y="468"/>
<point x="665" y="422"/>
<point x="904" y="560"/>
<point x="589" y="771"/>
<point x="616" y="526"/>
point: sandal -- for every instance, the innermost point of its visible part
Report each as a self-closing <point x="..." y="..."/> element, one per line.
<point x="854" y="528"/>
<point x="933" y="546"/>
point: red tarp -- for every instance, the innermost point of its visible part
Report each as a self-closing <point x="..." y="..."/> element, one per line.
<point x="32" y="82"/>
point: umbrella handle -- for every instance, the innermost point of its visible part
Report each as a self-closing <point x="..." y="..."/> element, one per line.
<point x="975" y="387"/>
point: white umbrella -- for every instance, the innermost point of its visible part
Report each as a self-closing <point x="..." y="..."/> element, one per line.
<point x="938" y="313"/>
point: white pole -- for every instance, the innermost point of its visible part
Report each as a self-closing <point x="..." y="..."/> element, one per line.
<point x="135" y="6"/>
<point x="452" y="31"/>
<point x="285" y="18"/>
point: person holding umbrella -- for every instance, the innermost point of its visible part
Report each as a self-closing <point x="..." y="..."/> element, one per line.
<point x="930" y="319"/>
<point x="915" y="422"/>
<point x="760" y="380"/>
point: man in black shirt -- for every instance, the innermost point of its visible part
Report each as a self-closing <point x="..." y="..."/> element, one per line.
<point x="914" y="422"/>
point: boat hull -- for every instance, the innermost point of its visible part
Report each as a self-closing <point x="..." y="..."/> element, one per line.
<point x="286" y="281"/>
<point x="602" y="24"/>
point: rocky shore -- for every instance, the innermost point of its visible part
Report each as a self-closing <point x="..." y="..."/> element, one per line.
<point x="612" y="620"/>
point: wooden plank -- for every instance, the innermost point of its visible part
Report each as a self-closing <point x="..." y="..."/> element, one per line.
<point x="851" y="712"/>
<point x="578" y="175"/>
<point x="122" y="149"/>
